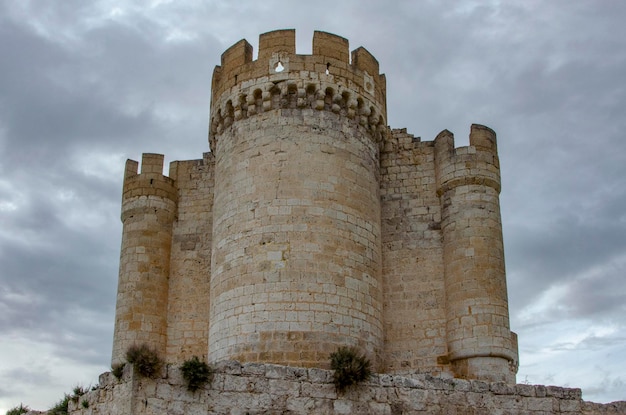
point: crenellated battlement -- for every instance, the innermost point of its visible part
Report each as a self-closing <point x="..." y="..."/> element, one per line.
<point x="477" y="163"/>
<point x="330" y="53"/>
<point x="280" y="79"/>
<point x="150" y="180"/>
<point x="149" y="184"/>
<point x="398" y="139"/>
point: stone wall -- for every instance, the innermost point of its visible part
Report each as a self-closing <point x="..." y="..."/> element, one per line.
<point x="413" y="284"/>
<point x="256" y="389"/>
<point x="190" y="263"/>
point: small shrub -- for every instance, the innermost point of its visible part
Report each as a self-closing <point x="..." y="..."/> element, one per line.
<point x="145" y="360"/>
<point x="61" y="407"/>
<point x="118" y="370"/>
<point x="18" y="410"/>
<point x="196" y="373"/>
<point x="350" y="367"/>
<point x="85" y="403"/>
<point x="78" y="392"/>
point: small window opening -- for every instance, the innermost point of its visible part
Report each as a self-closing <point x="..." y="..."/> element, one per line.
<point x="279" y="67"/>
<point x="328" y="68"/>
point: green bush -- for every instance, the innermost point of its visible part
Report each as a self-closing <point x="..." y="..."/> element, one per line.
<point x="145" y="360"/>
<point x="78" y="392"/>
<point x="118" y="370"/>
<point x="85" y="403"/>
<point x="350" y="367"/>
<point x="18" y="410"/>
<point x="196" y="373"/>
<point x="61" y="407"/>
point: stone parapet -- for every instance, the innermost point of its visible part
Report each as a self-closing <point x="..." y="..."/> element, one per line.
<point x="281" y="79"/>
<point x="150" y="181"/>
<point x="477" y="163"/>
<point x="330" y="53"/>
<point x="271" y="389"/>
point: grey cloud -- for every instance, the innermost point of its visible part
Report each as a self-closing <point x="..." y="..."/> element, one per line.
<point x="55" y="284"/>
<point x="610" y="385"/>
<point x="111" y="88"/>
<point x="42" y="118"/>
<point x="601" y="296"/>
<point x="597" y="343"/>
<point x="569" y="242"/>
<point x="37" y="375"/>
<point x="53" y="275"/>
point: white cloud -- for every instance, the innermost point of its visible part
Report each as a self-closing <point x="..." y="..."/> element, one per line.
<point x="40" y="374"/>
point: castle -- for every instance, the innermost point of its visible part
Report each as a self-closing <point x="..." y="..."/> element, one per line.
<point x="312" y="225"/>
<point x="309" y="226"/>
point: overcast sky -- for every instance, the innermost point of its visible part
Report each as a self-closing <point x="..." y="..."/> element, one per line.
<point x="86" y="85"/>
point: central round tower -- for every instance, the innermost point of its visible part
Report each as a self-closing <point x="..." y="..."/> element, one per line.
<point x="296" y="261"/>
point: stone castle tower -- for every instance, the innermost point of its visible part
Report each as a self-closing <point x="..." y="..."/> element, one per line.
<point x="311" y="225"/>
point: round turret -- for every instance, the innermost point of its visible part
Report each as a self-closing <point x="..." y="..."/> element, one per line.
<point x="296" y="263"/>
<point x="148" y="211"/>
<point x="480" y="343"/>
